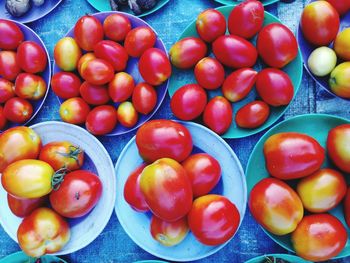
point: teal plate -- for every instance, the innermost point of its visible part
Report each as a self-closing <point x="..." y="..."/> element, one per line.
<point x="103" y="5"/>
<point x="233" y="2"/>
<point x="21" y="257"/>
<point x="294" y="69"/>
<point x="314" y="125"/>
<point x="290" y="258"/>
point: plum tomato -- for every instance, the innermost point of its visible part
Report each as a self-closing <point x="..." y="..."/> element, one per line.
<point x="121" y="87"/>
<point x="342" y="45"/>
<point x="112" y="52"/>
<point x="67" y="54"/>
<point x="7" y="90"/>
<point x="18" y="110"/>
<point x="210" y="24"/>
<point x="218" y="115"/>
<point x="339" y="80"/>
<point x="24" y="207"/>
<point x="116" y="27"/>
<point x="138" y="40"/>
<point x="11" y="35"/>
<point x="74" y="110"/>
<point x="246" y="19"/>
<point x="127" y="114"/>
<point x="94" y="94"/>
<point x="82" y="62"/>
<point x="65" y="85"/>
<point x="188" y="102"/>
<point x="337" y="141"/>
<point x="275" y="206"/>
<point x="144" y="98"/>
<point x="9" y="68"/>
<point x="31" y="57"/>
<point x="204" y="172"/>
<point x="102" y="120"/>
<point x="291" y="155"/>
<point x="97" y="71"/>
<point x="30" y="86"/>
<point x="163" y="139"/>
<point x="347" y="207"/>
<point x="3" y="120"/>
<point x="213" y="219"/>
<point x="252" y="115"/>
<point x="88" y="31"/>
<point x="342" y="7"/>
<point x="209" y="73"/>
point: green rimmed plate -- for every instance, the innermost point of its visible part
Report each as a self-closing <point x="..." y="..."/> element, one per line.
<point x="290" y="258"/>
<point x="293" y="69"/>
<point x="21" y="257"/>
<point x="314" y="125"/>
<point x="233" y="2"/>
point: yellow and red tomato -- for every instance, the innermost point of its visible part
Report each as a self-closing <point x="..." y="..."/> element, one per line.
<point x="339" y="81"/>
<point x="67" y="54"/>
<point x="112" y="52"/>
<point x="18" y="110"/>
<point x="342" y="44"/>
<point x="209" y="73"/>
<point x="121" y="87"/>
<point x="74" y="110"/>
<point x="30" y="86"/>
<point x="210" y="24"/>
<point x="9" y="68"/>
<point x="127" y="114"/>
<point x="337" y="141"/>
<point x="7" y="90"/>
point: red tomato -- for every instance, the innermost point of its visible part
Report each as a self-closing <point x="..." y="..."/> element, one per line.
<point x="83" y="61"/>
<point x="320" y="23"/>
<point x="7" y="90"/>
<point x="234" y="51"/>
<point x="62" y="154"/>
<point x="337" y="139"/>
<point x="277" y="45"/>
<point x="74" y="110"/>
<point x="188" y="102"/>
<point x="238" y="84"/>
<point x="67" y="54"/>
<point x="291" y="155"/>
<point x="77" y="195"/>
<point x="154" y="66"/>
<point x="94" y="94"/>
<point x="44" y="231"/>
<point x="246" y="19"/>
<point x="209" y="73"/>
<point x="307" y="242"/>
<point x="347" y="207"/>
<point x="169" y="233"/>
<point x="30" y="86"/>
<point x="121" y="87"/>
<point x="24" y="207"/>
<point x="213" y="219"/>
<point x="138" y="40"/>
<point x="144" y="98"/>
<point x="252" y="115"/>
<point x="132" y="192"/>
<point x="9" y="69"/>
<point x="3" y="120"/>
<point x="342" y="7"/>
<point x="204" y="172"/>
<point x="167" y="189"/>
<point x="187" y="52"/>
<point x="218" y="115"/>
<point x="11" y="35"/>
<point x="97" y="71"/>
<point x="127" y="114"/>
<point x="116" y="27"/>
<point x="31" y="57"/>
<point x="18" y="110"/>
<point x="102" y="120"/>
<point x="163" y="139"/>
<point x="112" y="52"/>
<point x="274" y="86"/>
<point x="88" y="31"/>
<point x="210" y="24"/>
<point x="66" y="85"/>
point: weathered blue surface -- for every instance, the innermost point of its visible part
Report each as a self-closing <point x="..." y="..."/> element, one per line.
<point x="113" y="245"/>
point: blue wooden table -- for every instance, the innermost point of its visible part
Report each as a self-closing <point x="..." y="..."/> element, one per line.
<point x="113" y="245"/>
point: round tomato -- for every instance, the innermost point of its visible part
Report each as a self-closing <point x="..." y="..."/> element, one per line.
<point x="210" y="24"/>
<point x="112" y="52"/>
<point x="24" y="207"/>
<point x="252" y="115"/>
<point x="127" y="114"/>
<point x="121" y="87"/>
<point x="74" y="111"/>
<point x="18" y="110"/>
<point x="209" y="73"/>
<point x="102" y="120"/>
<point x="7" y="90"/>
<point x="94" y="94"/>
<point x="337" y="139"/>
<point x="67" y="54"/>
<point x="342" y="7"/>
<point x="31" y="57"/>
<point x="138" y="40"/>
<point x="30" y="86"/>
<point x="339" y="80"/>
<point x="97" y="71"/>
<point x="9" y="69"/>
<point x="347" y="207"/>
<point x="144" y="98"/>
<point x="3" y="120"/>
<point x="88" y="31"/>
<point x="342" y="44"/>
<point x="82" y="62"/>
<point x="116" y="27"/>
<point x="322" y="61"/>
<point x="66" y="85"/>
<point x="11" y="35"/>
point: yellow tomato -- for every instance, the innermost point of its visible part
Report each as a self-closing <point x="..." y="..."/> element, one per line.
<point x="342" y="44"/>
<point x="339" y="80"/>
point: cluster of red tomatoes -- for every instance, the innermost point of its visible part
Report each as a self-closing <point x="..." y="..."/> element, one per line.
<point x="276" y="45"/>
<point x="170" y="179"/>
<point x="21" y="63"/>
<point x="32" y="175"/>
<point x="102" y="70"/>
<point x="316" y="236"/>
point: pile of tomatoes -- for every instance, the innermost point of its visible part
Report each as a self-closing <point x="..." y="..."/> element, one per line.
<point x="21" y="63"/>
<point x="171" y="177"/>
<point x="315" y="235"/>
<point x="276" y="46"/>
<point x="94" y="64"/>
<point x="45" y="185"/>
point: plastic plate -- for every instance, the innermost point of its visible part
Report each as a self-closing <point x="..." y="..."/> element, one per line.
<point x="289" y="258"/>
<point x="233" y="2"/>
<point x="22" y="257"/>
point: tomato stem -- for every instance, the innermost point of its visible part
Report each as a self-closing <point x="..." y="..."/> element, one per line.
<point x="58" y="178"/>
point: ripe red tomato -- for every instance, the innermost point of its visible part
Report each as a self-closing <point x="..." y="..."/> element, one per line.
<point x="94" y="94"/>
<point x="347" y="207"/>
<point x="238" y="84"/>
<point x="163" y="139"/>
<point x="218" y="114"/>
<point x="67" y="54"/>
<point x="252" y="115"/>
<point x="307" y="242"/>
<point x="82" y="62"/>
<point x="291" y="155"/>
<point x="213" y="219"/>
<point x="209" y="73"/>
<point x="102" y="120"/>
<point x="11" y="35"/>
<point x="30" y="86"/>
<point x="127" y="114"/>
<point x="31" y="57"/>
<point x="188" y="102"/>
<point x="342" y="7"/>
<point x="121" y="87"/>
<point x="24" y="207"/>
<point x="204" y="172"/>
<point x="277" y="45"/>
<point x="3" y="120"/>
<point x="144" y="98"/>
<point x="138" y="40"/>
<point x="97" y="71"/>
<point x="74" y="110"/>
<point x="320" y="23"/>
<point x="66" y="85"/>
<point x="132" y="192"/>
<point x="9" y="69"/>
<point x="116" y="27"/>
<point x="234" y="51"/>
<point x="187" y="52"/>
<point x="167" y="189"/>
<point x="7" y="90"/>
<point x="77" y="195"/>
<point x="337" y="138"/>
<point x="274" y="86"/>
<point x="88" y="31"/>
<point x="210" y="24"/>
<point x="246" y="19"/>
<point x="154" y="66"/>
<point x="112" y="52"/>
<point x="18" y="110"/>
